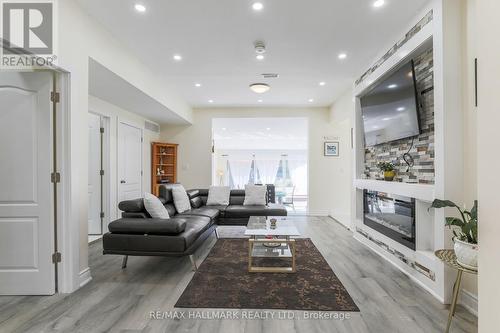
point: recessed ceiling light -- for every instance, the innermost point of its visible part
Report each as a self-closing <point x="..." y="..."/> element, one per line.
<point x="378" y="3"/>
<point x="257" y="6"/>
<point x="140" y="8"/>
<point x="210" y="101"/>
<point x="268" y="129"/>
<point x="197" y="85"/>
<point x="392" y="86"/>
<point x="310" y="100"/>
<point x="259" y="57"/>
<point x="223" y="128"/>
<point x="342" y="56"/>
<point x="259" y="101"/>
<point x="400" y="109"/>
<point x="386" y="119"/>
<point x="177" y="57"/>
<point x="259" y="88"/>
<point x="322" y="83"/>
<point x="410" y="74"/>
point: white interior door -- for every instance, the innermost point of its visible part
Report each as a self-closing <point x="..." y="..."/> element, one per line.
<point x="26" y="194"/>
<point x="94" y="178"/>
<point x="129" y="162"/>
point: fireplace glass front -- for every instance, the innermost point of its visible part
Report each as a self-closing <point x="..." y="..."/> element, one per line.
<point x="391" y="215"/>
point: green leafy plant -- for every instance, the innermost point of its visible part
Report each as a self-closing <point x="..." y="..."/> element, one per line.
<point x="386" y="166"/>
<point x="467" y="224"/>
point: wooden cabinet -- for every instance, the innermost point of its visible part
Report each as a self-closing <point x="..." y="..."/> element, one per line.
<point x="163" y="165"/>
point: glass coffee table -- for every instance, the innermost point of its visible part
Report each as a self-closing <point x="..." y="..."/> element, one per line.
<point x="261" y="245"/>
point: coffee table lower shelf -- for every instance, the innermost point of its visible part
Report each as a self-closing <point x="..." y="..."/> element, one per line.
<point x="286" y="251"/>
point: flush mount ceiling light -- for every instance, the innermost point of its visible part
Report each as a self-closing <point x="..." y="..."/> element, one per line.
<point x="210" y="101"/>
<point x="378" y="3"/>
<point x="177" y="57"/>
<point x="392" y="86"/>
<point x="322" y="83"/>
<point x="259" y="88"/>
<point x="342" y="56"/>
<point x="259" y="57"/>
<point x="257" y="6"/>
<point x="197" y="85"/>
<point x="400" y="109"/>
<point x="140" y="8"/>
<point x="310" y="100"/>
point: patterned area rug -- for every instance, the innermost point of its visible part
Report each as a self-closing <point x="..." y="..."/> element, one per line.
<point x="222" y="281"/>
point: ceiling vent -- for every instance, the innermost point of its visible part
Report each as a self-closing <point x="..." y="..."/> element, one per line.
<point x="151" y="127"/>
<point x="270" y="75"/>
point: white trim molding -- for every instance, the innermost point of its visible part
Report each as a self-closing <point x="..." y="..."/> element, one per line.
<point x="84" y="277"/>
<point x="469" y="301"/>
<point x="318" y="212"/>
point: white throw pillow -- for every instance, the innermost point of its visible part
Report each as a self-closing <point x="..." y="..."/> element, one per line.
<point x="181" y="199"/>
<point x="255" y="195"/>
<point x="154" y="207"/>
<point x="218" y="196"/>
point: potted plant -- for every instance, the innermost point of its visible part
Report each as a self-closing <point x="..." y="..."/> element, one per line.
<point x="388" y="169"/>
<point x="464" y="233"/>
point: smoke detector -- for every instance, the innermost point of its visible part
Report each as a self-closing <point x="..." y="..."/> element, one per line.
<point x="260" y="47"/>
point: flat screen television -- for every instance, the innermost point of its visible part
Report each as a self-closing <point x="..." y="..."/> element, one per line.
<point x="390" y="108"/>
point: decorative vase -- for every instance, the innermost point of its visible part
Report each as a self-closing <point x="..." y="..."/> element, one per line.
<point x="466" y="253"/>
<point x="389" y="175"/>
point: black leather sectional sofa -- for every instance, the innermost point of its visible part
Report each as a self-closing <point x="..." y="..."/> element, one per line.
<point x="137" y="234"/>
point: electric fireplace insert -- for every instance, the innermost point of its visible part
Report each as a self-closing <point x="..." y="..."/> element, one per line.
<point x="391" y="215"/>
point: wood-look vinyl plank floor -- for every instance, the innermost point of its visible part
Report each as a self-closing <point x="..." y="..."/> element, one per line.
<point x="119" y="300"/>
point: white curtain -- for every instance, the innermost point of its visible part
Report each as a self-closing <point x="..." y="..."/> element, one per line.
<point x="267" y="163"/>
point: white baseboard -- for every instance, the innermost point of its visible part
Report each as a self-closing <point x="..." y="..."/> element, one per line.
<point x="468" y="301"/>
<point x="317" y="213"/>
<point x="84" y="277"/>
<point x="344" y="219"/>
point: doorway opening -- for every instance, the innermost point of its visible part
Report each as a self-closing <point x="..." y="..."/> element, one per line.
<point x="272" y="151"/>
<point x="98" y="176"/>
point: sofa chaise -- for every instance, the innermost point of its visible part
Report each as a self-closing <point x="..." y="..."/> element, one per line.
<point x="137" y="234"/>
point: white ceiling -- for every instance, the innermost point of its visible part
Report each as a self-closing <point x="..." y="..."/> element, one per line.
<point x="215" y="39"/>
<point x="260" y="133"/>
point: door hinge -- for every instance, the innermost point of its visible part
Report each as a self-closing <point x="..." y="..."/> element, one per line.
<point x="142" y="173"/>
<point x="55" y="177"/>
<point x="55" y="97"/>
<point x="101" y="129"/>
<point x="142" y="139"/>
<point x="102" y="215"/>
<point x="101" y="172"/>
<point x="56" y="257"/>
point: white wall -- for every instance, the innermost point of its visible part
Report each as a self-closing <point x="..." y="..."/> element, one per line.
<point x="115" y="115"/>
<point x="470" y="123"/>
<point x="194" y="160"/>
<point x="80" y="37"/>
<point x="488" y="182"/>
<point x="341" y="115"/>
